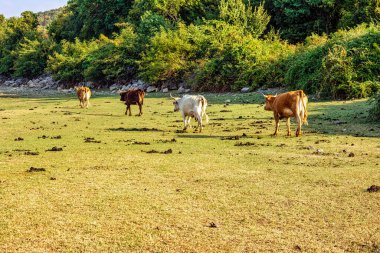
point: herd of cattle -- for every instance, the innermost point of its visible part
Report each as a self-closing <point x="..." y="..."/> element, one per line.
<point x="284" y="106"/>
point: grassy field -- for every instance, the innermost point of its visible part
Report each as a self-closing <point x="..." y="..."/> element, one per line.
<point x="232" y="188"/>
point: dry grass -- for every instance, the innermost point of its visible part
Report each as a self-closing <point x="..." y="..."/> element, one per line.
<point x="101" y="193"/>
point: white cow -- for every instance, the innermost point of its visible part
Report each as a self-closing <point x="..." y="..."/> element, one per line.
<point x="191" y="106"/>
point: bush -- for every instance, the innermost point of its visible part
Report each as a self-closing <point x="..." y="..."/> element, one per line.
<point x="67" y="64"/>
<point x="375" y="111"/>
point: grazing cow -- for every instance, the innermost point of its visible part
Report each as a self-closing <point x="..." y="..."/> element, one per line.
<point x="84" y="94"/>
<point x="286" y="105"/>
<point x="191" y="106"/>
<point x="133" y="97"/>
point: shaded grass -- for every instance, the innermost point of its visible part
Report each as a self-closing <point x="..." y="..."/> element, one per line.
<point x="210" y="194"/>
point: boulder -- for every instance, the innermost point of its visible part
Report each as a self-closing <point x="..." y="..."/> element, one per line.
<point x="245" y="89"/>
<point x="181" y="90"/>
<point x="151" y="89"/>
<point x="31" y="84"/>
<point x="165" y="90"/>
<point x="114" y="87"/>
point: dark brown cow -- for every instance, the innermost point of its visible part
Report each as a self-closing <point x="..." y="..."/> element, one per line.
<point x="133" y="97"/>
<point x="286" y="105"/>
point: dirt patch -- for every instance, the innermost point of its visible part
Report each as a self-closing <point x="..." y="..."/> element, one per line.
<point x="140" y="143"/>
<point x="144" y="129"/>
<point x="169" y="151"/>
<point x="55" y="149"/>
<point x="239" y="144"/>
<point x="235" y="137"/>
<point x="33" y="169"/>
<point x="91" y="140"/>
<point x="373" y="188"/>
<point x="31" y="153"/>
<point x="167" y="141"/>
<point x="225" y="111"/>
<point x="180" y="131"/>
<point x="19" y="139"/>
<point x="56" y="137"/>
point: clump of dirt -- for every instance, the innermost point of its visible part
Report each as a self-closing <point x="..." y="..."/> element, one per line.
<point x="373" y="188"/>
<point x="91" y="140"/>
<point x="225" y="111"/>
<point x="140" y="143"/>
<point x="180" y="131"/>
<point x="55" y="149"/>
<point x="33" y="169"/>
<point x="56" y="137"/>
<point x="281" y="145"/>
<point x="169" y="151"/>
<point x="144" y="129"/>
<point x="19" y="139"/>
<point x="235" y="137"/>
<point x="212" y="225"/>
<point x="239" y="144"/>
<point x="31" y="153"/>
<point x="53" y="178"/>
<point x="320" y="141"/>
<point x="351" y="154"/>
<point x="167" y="141"/>
<point x="43" y="137"/>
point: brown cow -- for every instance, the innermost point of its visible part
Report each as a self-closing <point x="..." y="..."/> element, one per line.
<point x="286" y="105"/>
<point x="84" y="94"/>
<point x="133" y="97"/>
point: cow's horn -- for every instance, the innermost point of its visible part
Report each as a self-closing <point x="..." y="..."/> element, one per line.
<point x="172" y="96"/>
<point x="261" y="93"/>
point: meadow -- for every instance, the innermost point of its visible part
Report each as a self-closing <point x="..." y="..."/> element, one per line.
<point x="96" y="180"/>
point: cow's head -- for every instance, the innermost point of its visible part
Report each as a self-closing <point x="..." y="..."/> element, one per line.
<point x="175" y="103"/>
<point x="122" y="95"/>
<point x="269" y="99"/>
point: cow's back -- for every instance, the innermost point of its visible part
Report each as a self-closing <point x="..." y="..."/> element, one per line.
<point x="285" y="104"/>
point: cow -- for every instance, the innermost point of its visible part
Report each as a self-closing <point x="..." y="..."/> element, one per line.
<point x="84" y="94"/>
<point x="133" y="97"/>
<point x="191" y="106"/>
<point x="286" y="105"/>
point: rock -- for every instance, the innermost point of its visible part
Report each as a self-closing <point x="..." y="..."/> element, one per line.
<point x="125" y="87"/>
<point x="165" y="90"/>
<point x="228" y="101"/>
<point x="245" y="89"/>
<point x="9" y="83"/>
<point x="351" y="154"/>
<point x="114" y="87"/>
<point x="181" y="90"/>
<point x="31" y="84"/>
<point x="151" y="89"/>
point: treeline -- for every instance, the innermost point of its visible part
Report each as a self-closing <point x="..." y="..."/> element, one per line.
<point x="330" y="48"/>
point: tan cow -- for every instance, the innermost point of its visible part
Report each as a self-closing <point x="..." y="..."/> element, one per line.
<point x="84" y="94"/>
<point x="286" y="105"/>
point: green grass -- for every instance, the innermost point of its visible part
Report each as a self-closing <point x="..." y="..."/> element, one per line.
<point x="275" y="194"/>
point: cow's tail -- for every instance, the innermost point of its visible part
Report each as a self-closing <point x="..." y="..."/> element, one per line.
<point x="304" y="101"/>
<point x="204" y="105"/>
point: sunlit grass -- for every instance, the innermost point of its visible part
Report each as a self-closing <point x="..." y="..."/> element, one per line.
<point x="104" y="193"/>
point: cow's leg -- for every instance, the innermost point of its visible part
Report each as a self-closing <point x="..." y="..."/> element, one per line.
<point x="199" y="119"/>
<point x="184" y="117"/>
<point x="288" y="125"/>
<point x="140" y="108"/>
<point x="129" y="108"/>
<point x="188" y="118"/>
<point x="299" y="124"/>
<point x="277" y="120"/>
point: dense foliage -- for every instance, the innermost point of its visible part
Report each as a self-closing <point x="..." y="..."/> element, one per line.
<point x="330" y="48"/>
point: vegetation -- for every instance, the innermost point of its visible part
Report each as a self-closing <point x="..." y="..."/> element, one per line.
<point x="323" y="47"/>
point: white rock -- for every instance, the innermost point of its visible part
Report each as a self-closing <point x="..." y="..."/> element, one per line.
<point x="181" y="90"/>
<point x="165" y="90"/>
<point x="245" y="89"/>
<point x="114" y="87"/>
<point x="151" y="89"/>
